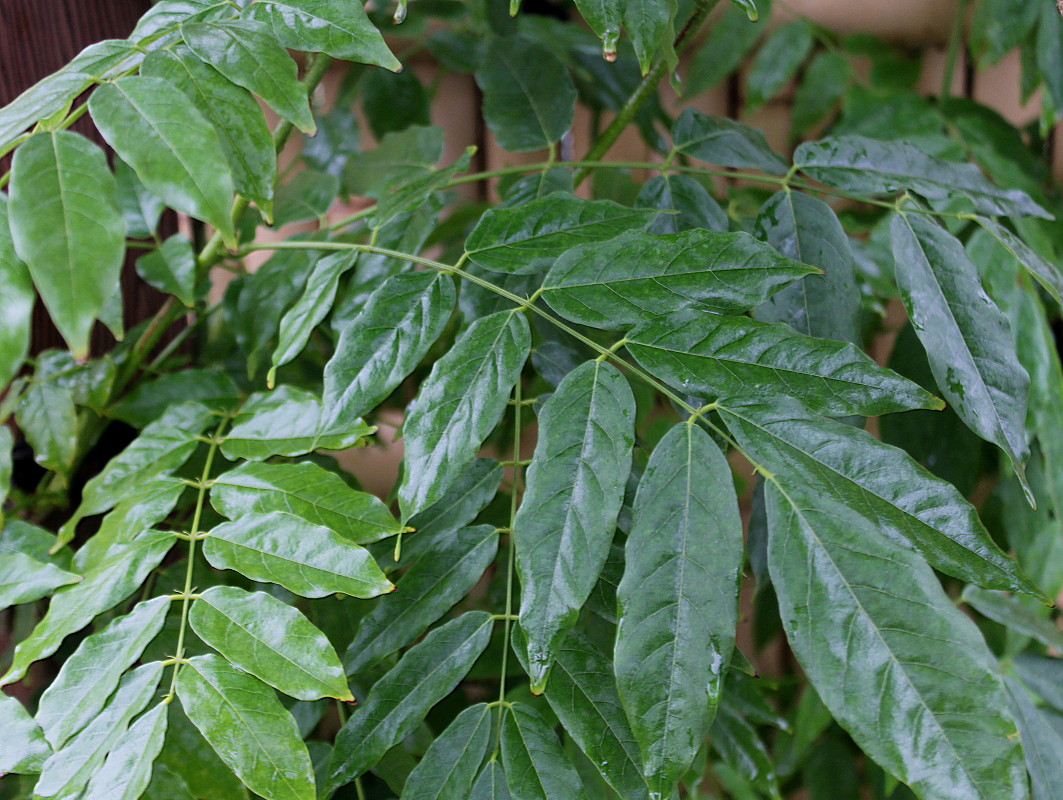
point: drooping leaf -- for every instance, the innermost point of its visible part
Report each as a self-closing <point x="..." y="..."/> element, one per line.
<point x="741" y="747"/>
<point x="650" y="25"/>
<point x="409" y="196"/>
<point x="567" y="517"/>
<point x="16" y="302"/>
<point x="536" y="767"/>
<point x="305" y="490"/>
<point x="398" y="702"/>
<point x="157" y="130"/>
<point x="640" y="277"/>
<point x="24" y="579"/>
<point x="66" y="227"/>
<point x="1021" y="614"/>
<point x="171" y="268"/>
<point x="689" y="201"/>
<point x="306" y="559"/>
<point x="1049" y="52"/>
<point x="678" y="601"/>
<point x="89" y="676"/>
<point x="908" y="505"/>
<point x="248" y="728"/>
<point x="336" y="27"/>
<point x="449" y="767"/>
<point x="710" y="355"/>
<point x="249" y="55"/>
<point x="127" y="771"/>
<point x="604" y="18"/>
<point x="439" y="577"/>
<point x="22" y="744"/>
<point x="273" y="641"/>
<point x="459" y="404"/>
<point x="922" y="699"/>
<point x="528" y="238"/>
<point x="717" y="140"/>
<point x="382" y="345"/>
<point x="393" y="101"/>
<point x="999" y="26"/>
<point x="777" y="62"/>
<point x="529" y="98"/>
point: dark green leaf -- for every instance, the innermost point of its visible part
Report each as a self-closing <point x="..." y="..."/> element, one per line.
<point x="399" y="158"/>
<point x="567" y="518"/>
<point x="171" y="268"/>
<point x="491" y="785"/>
<point x="536" y="766"/>
<point x="127" y="771"/>
<point x="650" y="25"/>
<point x="678" y="601"/>
<point x="1048" y="274"/>
<point x="777" y="62"/>
<point x="67" y="228"/>
<point x="739" y="746"/>
<point x="730" y="39"/>
<point x="1000" y="25"/>
<point x="1043" y="675"/>
<point x="394" y="101"/>
<point x="449" y="767"/>
<point x="16" y="302"/>
<point x="1021" y="614"/>
<point x="150" y="398"/>
<point x="1041" y="744"/>
<point x="23" y="746"/>
<point x="307" y="196"/>
<point x="47" y="418"/>
<point x="722" y="141"/>
<point x="691" y="204"/>
<point x="1049" y="50"/>
<point x="821" y="89"/>
<point x="306" y="559"/>
<point x="604" y="18"/>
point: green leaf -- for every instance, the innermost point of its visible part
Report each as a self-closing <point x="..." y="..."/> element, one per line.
<point x="650" y="24"/>
<point x="287" y="422"/>
<point x="1049" y="52"/>
<point x="158" y="131"/>
<point x="604" y="18"/>
<point x="19" y="536"/>
<point x="678" y="601"/>
<point x="22" y="744"/>
<point x="1043" y="675"/>
<point x="428" y="672"/>
<point x="449" y="767"/>
<point x="1041" y="744"/>
<point x="459" y="404"/>
<point x="188" y="755"/>
<point x="16" y="302"/>
<point x="377" y="349"/>
<point x="310" y="309"/>
<point x="127" y="771"/>
<point x="273" y="641"/>
<point x="411" y="196"/>
<point x="491" y="785"/>
<point x="66" y="227"/>
<point x="967" y="338"/>
<point x="43" y="99"/>
<point x="238" y="120"/>
<point x="336" y="27"/>
<point x="47" y="418"/>
<point x="639" y="277"/>
<point x="528" y="238"/>
<point x="89" y="676"/>
<point x="399" y="158"/>
<point x="307" y="196"/>
<point x="248" y="54"/>
<point x="690" y="201"/>
<point x="308" y="491"/>
<point x="24" y="579"/>
<point x="566" y="520"/>
<point x="104" y="586"/>
<point x="442" y="574"/>
<point x="171" y="268"/>
<point x="822" y="87"/>
<point x="739" y="745"/>
<point x="150" y="398"/>
<point x="710" y="355"/>
<point x="393" y="101"/>
<point x="898" y="665"/>
<point x="806" y="229"/>
<point x="777" y="62"/>
<point x="907" y="504"/>
<point x="536" y="766"/>
<point x="1000" y="25"/>
<point x="1047" y="273"/>
<point x="140" y="208"/>
<point x="248" y="728"/>
<point x="870" y="166"/>
<point x="529" y="98"/>
<point x="722" y="141"/>
<point x="67" y="771"/>
<point x="723" y="50"/>
<point x="1021" y="614"/>
<point x="306" y="559"/>
<point x="167" y="785"/>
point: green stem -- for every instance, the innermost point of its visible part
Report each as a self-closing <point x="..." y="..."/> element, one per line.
<point x="953" y="53"/>
<point x="518" y="405"/>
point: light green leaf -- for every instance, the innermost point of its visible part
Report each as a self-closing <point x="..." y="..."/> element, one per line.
<point x="248" y="728"/>
<point x="536" y="766"/>
<point x="140" y="208"/>
<point x="441" y="575"/>
<point x="176" y="153"/>
<point x="377" y="349"/>
<point x="566" y="520"/>
<point x="650" y="24"/>
<point x="24" y="579"/>
<point x="898" y="665"/>
<point x="870" y="166"/>
<point x="491" y="785"/>
<point x="604" y="18"/>
<point x="66" y="227"/>
<point x="248" y="54"/>
<point x="689" y="202"/>
<point x="529" y="98"/>
<point x="127" y="771"/>
<point x="678" y="601"/>
<point x="89" y="676"/>
<point x="104" y="586"/>
<point x="336" y="27"/>
<point x="307" y="559"/>
<point x="718" y="140"/>
<point x="47" y="418"/>
<point x="399" y="158"/>
<point x="67" y="771"/>
<point x="46" y="97"/>
<point x="459" y="404"/>
<point x="777" y="62"/>
<point x="907" y="504"/>
<point x="710" y="355"/>
<point x="528" y="238"/>
<point x="398" y="702"/>
<point x="188" y="755"/>
<point x="23" y="748"/>
<point x="1021" y="614"/>
<point x="171" y="268"/>
<point x="19" y="536"/>
<point x="1041" y="744"/>
<point x="806" y="229"/>
<point x="640" y="277"/>
<point x="287" y="422"/>
<point x="273" y="641"/>
<point x="967" y="338"/>
<point x="308" y="491"/>
<point x="16" y="302"/>
<point x="449" y="767"/>
<point x="238" y="120"/>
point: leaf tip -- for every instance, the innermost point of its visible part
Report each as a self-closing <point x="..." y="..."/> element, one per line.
<point x="271" y="378"/>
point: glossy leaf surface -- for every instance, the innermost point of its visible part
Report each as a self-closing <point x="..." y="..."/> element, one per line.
<point x="24" y="746"/>
<point x="536" y="766"/>
<point x="449" y="767"/>
<point x="127" y="771"/>
<point x="722" y="141"/>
